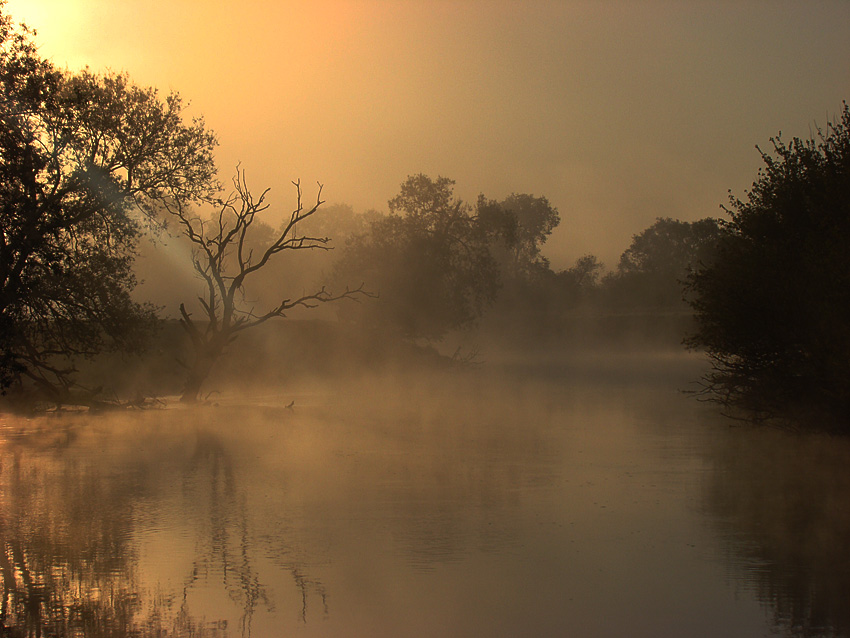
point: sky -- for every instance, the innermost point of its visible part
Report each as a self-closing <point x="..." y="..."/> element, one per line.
<point x="618" y="111"/>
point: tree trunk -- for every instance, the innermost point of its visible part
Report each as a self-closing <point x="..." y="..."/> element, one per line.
<point x="193" y="385"/>
<point x="197" y="375"/>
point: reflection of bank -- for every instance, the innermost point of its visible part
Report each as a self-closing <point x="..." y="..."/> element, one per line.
<point x="69" y="531"/>
<point x="780" y="501"/>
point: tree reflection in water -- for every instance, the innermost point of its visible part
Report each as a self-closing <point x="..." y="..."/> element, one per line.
<point x="224" y="548"/>
<point x="780" y="502"/>
<point x="68" y="513"/>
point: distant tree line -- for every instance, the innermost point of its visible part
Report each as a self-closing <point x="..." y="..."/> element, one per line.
<point x="440" y="264"/>
<point x="90" y="163"/>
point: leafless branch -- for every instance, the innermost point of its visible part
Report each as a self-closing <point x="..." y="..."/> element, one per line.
<point x="224" y="260"/>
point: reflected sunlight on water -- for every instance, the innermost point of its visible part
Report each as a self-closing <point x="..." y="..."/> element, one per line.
<point x="465" y="504"/>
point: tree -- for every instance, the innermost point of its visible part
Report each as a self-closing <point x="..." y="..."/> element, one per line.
<point x="529" y="303"/>
<point x="773" y="308"/>
<point x="585" y="272"/>
<point x="652" y="270"/>
<point x="522" y="223"/>
<point x="429" y="260"/>
<point x="83" y="159"/>
<point x="577" y="284"/>
<point x="225" y="261"/>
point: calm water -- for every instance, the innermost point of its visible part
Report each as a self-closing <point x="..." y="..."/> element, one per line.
<point x="584" y="500"/>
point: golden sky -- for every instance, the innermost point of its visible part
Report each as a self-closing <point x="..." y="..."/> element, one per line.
<point x="619" y="111"/>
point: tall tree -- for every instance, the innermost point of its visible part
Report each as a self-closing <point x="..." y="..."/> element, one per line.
<point x="521" y="224"/>
<point x="517" y="228"/>
<point x="773" y="308"/>
<point x="226" y="256"/>
<point x="84" y="158"/>
<point x="429" y="260"/>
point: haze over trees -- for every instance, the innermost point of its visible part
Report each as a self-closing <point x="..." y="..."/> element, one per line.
<point x="489" y="274"/>
<point x="89" y="161"/>
<point x="429" y="261"/>
<point x="518" y="228"/>
<point x="227" y="253"/>
<point x="773" y="308"/>
<point x="653" y="269"/>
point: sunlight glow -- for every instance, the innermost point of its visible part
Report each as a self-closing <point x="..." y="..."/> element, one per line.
<point x="60" y="25"/>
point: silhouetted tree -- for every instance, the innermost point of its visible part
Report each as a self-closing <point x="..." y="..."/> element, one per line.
<point x="83" y="158"/>
<point x="523" y="223"/>
<point x="429" y="260"/>
<point x="536" y="219"/>
<point x="517" y="228"/>
<point x="773" y="308"/>
<point x="578" y="283"/>
<point x="652" y="271"/>
<point x="224" y="259"/>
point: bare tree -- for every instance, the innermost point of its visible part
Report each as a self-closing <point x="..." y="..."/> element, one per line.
<point x="223" y="257"/>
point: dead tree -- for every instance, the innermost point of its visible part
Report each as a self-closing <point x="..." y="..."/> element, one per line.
<point x="223" y="259"/>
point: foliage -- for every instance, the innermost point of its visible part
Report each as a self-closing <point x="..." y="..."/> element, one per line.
<point x="653" y="269"/>
<point x="229" y="249"/>
<point x="585" y="272"/>
<point x="579" y="283"/>
<point x="83" y="158"/>
<point x="429" y="260"/>
<point x="516" y="229"/>
<point x="670" y="246"/>
<point x="773" y="309"/>
<point x="523" y="223"/>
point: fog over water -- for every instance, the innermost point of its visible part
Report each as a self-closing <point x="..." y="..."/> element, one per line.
<point x="495" y="500"/>
<point x="455" y="401"/>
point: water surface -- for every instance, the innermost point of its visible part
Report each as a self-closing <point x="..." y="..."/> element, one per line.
<point x="581" y="500"/>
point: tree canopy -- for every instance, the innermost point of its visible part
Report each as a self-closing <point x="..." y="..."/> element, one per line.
<point x="773" y="309"/>
<point x="84" y="158"/>
<point x="428" y="260"/>
<point x="652" y="271"/>
<point x="523" y="223"/>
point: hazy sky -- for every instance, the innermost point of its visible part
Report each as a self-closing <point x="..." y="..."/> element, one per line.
<point x="618" y="111"/>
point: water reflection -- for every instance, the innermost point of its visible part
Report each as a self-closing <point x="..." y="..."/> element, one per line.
<point x="81" y="498"/>
<point x="477" y="504"/>
<point x="66" y="560"/>
<point x="222" y="546"/>
<point x="780" y="502"/>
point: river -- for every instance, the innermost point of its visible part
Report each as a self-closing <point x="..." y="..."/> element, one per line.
<point x="582" y="498"/>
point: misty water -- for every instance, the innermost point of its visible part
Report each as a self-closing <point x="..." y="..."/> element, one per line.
<point x="575" y="498"/>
